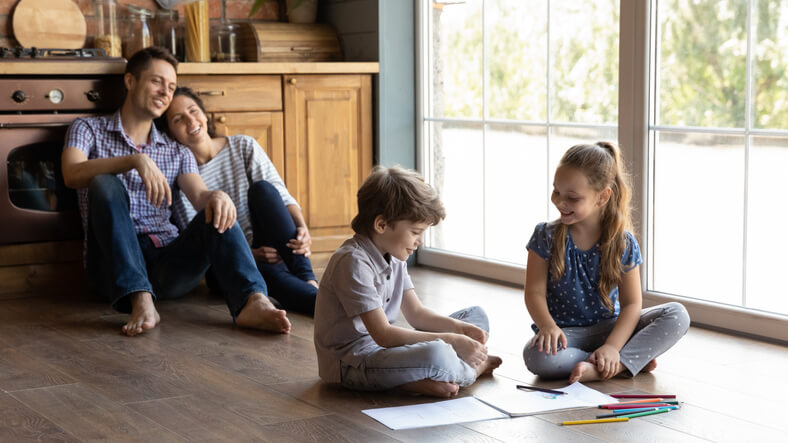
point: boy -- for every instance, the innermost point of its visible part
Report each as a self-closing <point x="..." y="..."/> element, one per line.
<point x="364" y="286"/>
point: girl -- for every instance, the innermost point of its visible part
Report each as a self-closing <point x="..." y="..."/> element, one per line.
<point x="269" y="216"/>
<point x="583" y="281"/>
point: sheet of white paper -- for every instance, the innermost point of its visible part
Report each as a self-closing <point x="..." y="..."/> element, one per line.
<point x="517" y="402"/>
<point x="460" y="410"/>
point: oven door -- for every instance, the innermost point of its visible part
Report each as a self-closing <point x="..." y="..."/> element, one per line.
<point x="35" y="205"/>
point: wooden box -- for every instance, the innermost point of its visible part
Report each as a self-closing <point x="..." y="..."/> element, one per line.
<point x="288" y="42"/>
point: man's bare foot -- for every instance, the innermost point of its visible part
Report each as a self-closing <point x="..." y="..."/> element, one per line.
<point x="432" y="388"/>
<point x="312" y="282"/>
<point x="260" y="313"/>
<point x="586" y="371"/>
<point x="144" y="315"/>
<point x="489" y="365"/>
<point x="650" y="366"/>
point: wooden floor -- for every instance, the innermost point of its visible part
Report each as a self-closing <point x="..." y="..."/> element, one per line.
<point x="66" y="374"/>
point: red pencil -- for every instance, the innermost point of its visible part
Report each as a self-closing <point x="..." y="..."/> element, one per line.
<point x="642" y="395"/>
<point x="635" y="405"/>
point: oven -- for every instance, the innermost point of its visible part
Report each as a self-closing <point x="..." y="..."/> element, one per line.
<point x="35" y="112"/>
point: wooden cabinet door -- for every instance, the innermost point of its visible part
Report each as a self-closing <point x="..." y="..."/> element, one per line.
<point x="265" y="127"/>
<point x="328" y="150"/>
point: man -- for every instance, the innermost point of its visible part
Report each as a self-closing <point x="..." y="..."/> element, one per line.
<point x="124" y="169"/>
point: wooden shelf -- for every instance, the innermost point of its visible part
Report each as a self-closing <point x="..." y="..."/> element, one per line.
<point x="39" y="67"/>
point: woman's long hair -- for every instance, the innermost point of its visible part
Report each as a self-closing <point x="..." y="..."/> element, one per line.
<point x="163" y="124"/>
<point x="602" y="165"/>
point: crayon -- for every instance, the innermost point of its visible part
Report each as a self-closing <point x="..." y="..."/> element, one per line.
<point x="642" y="395"/>
<point x="599" y="420"/>
<point x="535" y="388"/>
<point x="641" y="414"/>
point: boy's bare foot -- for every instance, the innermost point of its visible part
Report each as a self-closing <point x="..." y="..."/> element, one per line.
<point x="586" y="371"/>
<point x="144" y="315"/>
<point x="312" y="282"/>
<point x="650" y="366"/>
<point x="432" y="388"/>
<point x="489" y="365"/>
<point x="260" y="313"/>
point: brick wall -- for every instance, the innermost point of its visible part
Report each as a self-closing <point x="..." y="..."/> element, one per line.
<point x="236" y="9"/>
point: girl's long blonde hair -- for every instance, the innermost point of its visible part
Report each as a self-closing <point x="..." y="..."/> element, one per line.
<point x="602" y="165"/>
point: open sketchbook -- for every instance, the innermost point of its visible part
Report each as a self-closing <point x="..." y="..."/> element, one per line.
<point x="517" y="403"/>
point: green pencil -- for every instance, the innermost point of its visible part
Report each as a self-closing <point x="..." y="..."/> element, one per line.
<point x="641" y="414"/>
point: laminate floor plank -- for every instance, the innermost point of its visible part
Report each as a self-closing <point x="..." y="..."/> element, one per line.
<point x="23" y="371"/>
<point x="90" y="416"/>
<point x="19" y="423"/>
<point x="328" y="428"/>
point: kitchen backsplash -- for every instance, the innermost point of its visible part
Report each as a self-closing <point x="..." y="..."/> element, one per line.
<point x="236" y="9"/>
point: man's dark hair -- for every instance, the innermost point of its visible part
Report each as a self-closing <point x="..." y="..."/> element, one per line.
<point x="142" y="59"/>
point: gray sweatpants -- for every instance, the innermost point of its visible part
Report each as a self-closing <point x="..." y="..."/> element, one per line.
<point x="659" y="328"/>
<point x="435" y="360"/>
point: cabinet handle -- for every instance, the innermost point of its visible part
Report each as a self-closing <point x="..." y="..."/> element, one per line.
<point x="292" y="81"/>
<point x="222" y="119"/>
<point x="211" y="93"/>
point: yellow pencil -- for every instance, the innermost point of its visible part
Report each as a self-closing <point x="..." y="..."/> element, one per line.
<point x="598" y="420"/>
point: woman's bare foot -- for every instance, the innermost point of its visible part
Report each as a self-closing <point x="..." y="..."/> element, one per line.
<point x="312" y="282"/>
<point x="489" y="365"/>
<point x="144" y="315"/>
<point x="650" y="366"/>
<point x="432" y="388"/>
<point x="260" y="313"/>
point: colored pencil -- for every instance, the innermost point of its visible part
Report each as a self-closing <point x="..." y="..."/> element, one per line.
<point x="617" y="412"/>
<point x="637" y="405"/>
<point x="599" y="420"/>
<point x="645" y="400"/>
<point x="642" y="395"/>
<point x="641" y="414"/>
<point x="535" y="388"/>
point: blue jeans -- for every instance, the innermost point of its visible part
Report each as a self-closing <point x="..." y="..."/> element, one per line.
<point x="272" y="225"/>
<point x="120" y="262"/>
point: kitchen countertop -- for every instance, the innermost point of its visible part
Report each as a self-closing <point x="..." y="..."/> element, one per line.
<point x="90" y="67"/>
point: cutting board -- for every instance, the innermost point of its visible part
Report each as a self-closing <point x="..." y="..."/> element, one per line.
<point x="49" y="24"/>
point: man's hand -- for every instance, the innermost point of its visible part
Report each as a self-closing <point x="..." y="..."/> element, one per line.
<point x="220" y="210"/>
<point x="302" y="244"/>
<point x="156" y="187"/>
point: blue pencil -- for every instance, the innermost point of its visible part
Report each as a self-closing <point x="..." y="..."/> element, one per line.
<point x="632" y="411"/>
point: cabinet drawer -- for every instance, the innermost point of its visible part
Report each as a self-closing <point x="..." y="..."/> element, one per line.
<point x="236" y="92"/>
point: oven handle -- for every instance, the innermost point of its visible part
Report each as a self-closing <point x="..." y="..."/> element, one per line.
<point x="34" y="125"/>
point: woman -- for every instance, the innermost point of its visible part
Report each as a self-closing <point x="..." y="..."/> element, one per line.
<point x="267" y="213"/>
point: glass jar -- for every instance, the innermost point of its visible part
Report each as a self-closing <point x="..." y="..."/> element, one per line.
<point x="169" y="32"/>
<point x="107" y="33"/>
<point x="224" y="42"/>
<point x="138" y="34"/>
<point x="198" y="34"/>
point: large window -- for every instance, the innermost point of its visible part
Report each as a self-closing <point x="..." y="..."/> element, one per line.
<point x="700" y="101"/>
<point x="719" y="151"/>
<point x="511" y="86"/>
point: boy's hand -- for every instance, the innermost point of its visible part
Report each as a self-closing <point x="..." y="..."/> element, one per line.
<point x="548" y="339"/>
<point x="606" y="359"/>
<point x="473" y="332"/>
<point x="469" y="350"/>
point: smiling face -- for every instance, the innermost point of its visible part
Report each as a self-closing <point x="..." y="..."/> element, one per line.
<point x="186" y="121"/>
<point x="151" y="93"/>
<point x="574" y="197"/>
<point x="399" y="239"/>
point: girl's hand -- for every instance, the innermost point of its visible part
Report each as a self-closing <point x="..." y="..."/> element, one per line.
<point x="473" y="332"/>
<point x="606" y="359"/>
<point x="548" y="339"/>
<point x="266" y="254"/>
<point x="469" y="350"/>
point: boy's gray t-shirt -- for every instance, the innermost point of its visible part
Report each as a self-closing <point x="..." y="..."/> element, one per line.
<point x="358" y="279"/>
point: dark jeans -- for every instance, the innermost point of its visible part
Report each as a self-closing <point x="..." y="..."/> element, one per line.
<point x="273" y="226"/>
<point x="120" y="262"/>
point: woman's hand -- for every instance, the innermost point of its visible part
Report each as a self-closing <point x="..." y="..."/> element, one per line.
<point x="606" y="359"/>
<point x="266" y="254"/>
<point x="548" y="339"/>
<point x="302" y="244"/>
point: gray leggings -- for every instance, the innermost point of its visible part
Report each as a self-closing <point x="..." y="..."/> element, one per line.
<point x="387" y="368"/>
<point x="659" y="328"/>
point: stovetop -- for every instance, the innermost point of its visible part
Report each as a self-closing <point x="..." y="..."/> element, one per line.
<point x="26" y="54"/>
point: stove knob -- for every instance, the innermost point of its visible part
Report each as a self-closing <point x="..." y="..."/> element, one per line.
<point x="93" y="96"/>
<point x="19" y="96"/>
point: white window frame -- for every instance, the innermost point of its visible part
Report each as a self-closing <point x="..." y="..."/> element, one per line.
<point x="633" y="136"/>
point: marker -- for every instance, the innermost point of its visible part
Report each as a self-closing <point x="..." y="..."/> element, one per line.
<point x="599" y="420"/>
<point x="534" y="388"/>
<point x="642" y="395"/>
<point x="641" y="414"/>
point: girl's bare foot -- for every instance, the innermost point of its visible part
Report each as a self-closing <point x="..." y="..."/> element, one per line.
<point x="650" y="366"/>
<point x="432" y="388"/>
<point x="144" y="315"/>
<point x="260" y="313"/>
<point x="489" y="365"/>
<point x="586" y="371"/>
